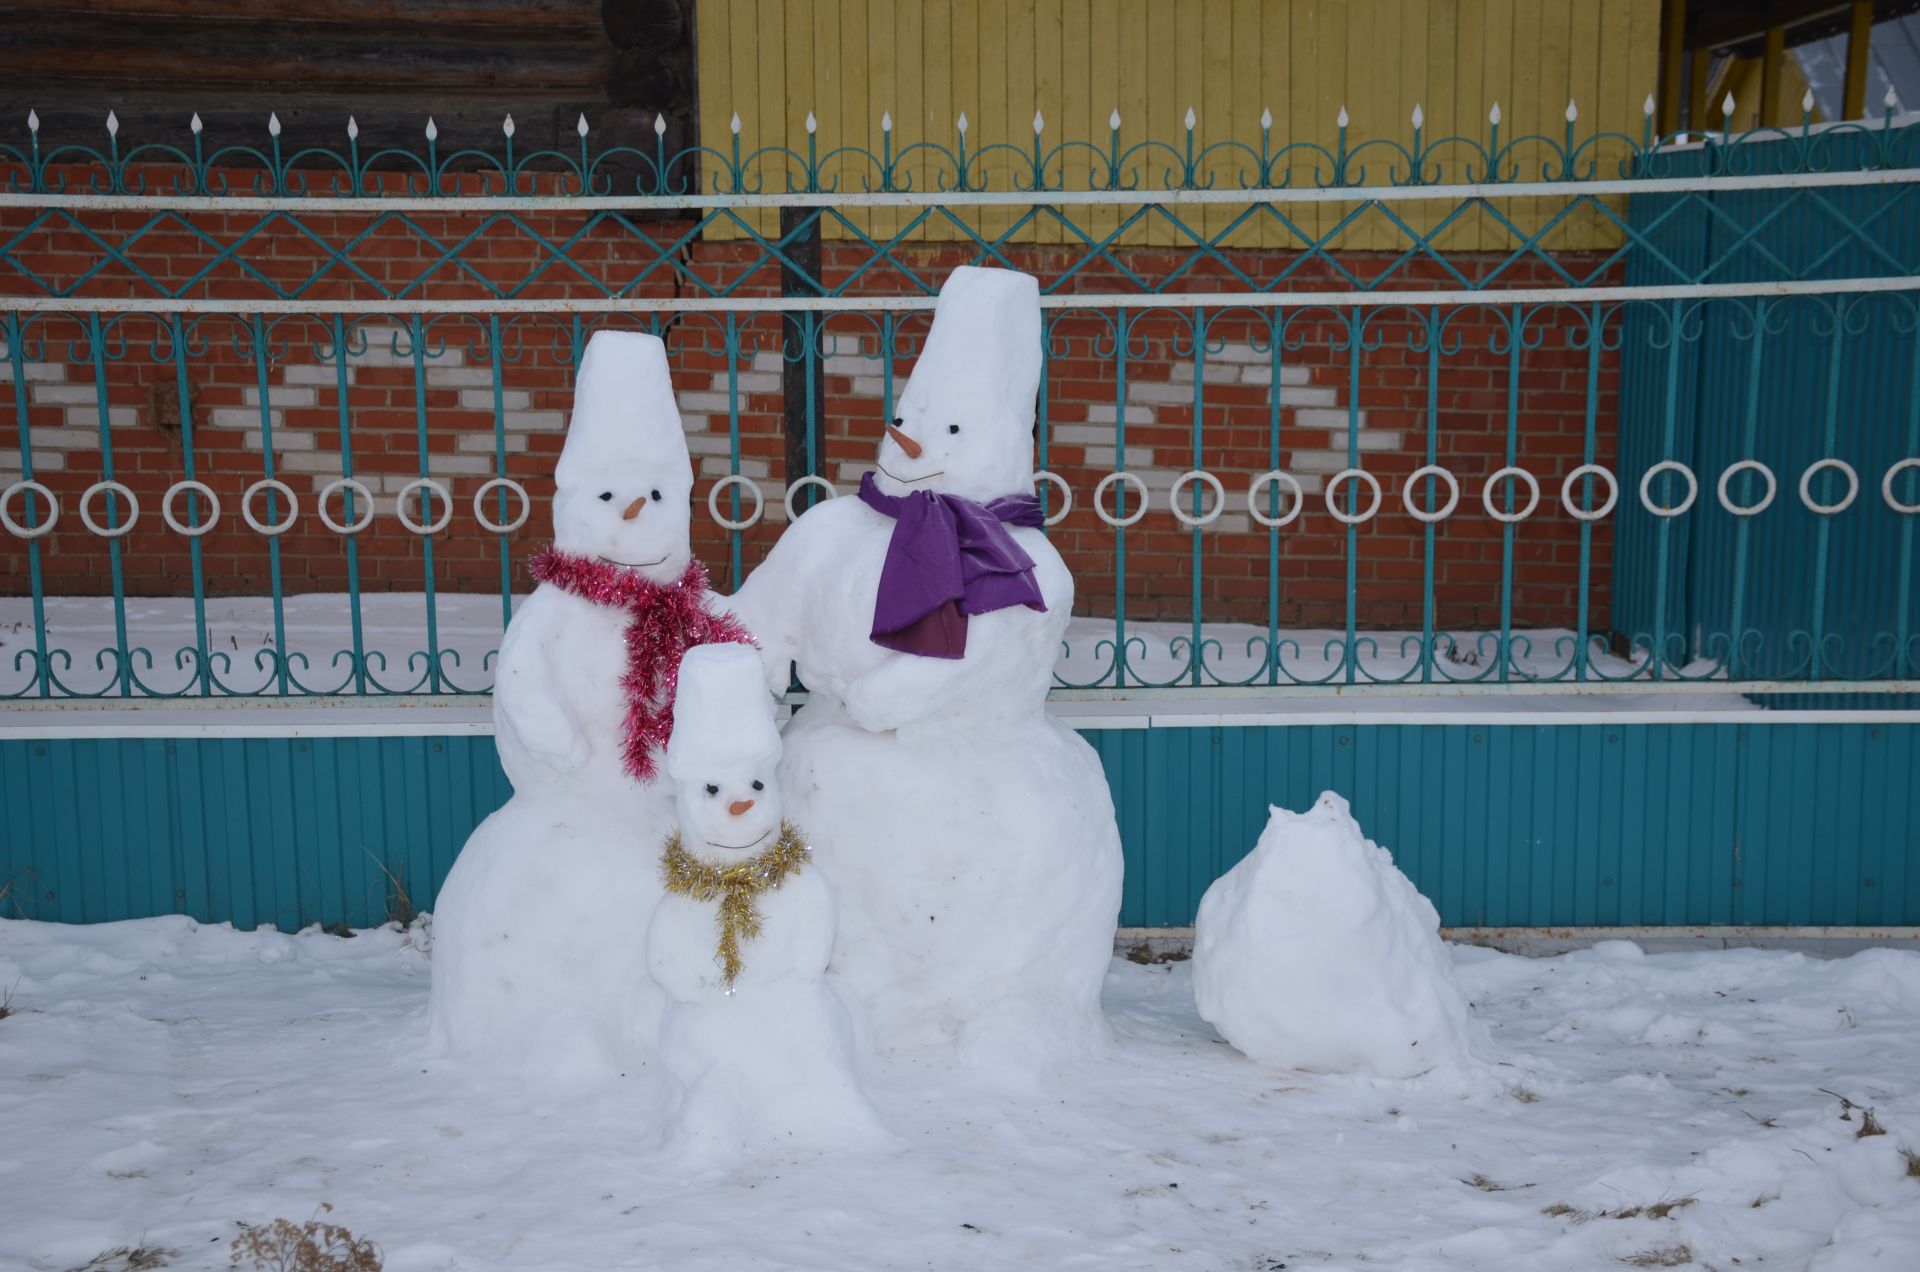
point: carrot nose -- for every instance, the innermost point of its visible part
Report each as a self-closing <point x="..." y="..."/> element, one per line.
<point x="905" y="443"/>
<point x="633" y="509"/>
<point x="739" y="806"/>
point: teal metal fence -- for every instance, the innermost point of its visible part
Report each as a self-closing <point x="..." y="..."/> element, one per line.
<point x="1699" y="281"/>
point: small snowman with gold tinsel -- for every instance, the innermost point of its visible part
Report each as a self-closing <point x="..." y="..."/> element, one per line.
<point x="741" y="940"/>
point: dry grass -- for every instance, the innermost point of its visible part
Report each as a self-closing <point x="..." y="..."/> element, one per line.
<point x="1913" y="1162"/>
<point x="1484" y="1184"/>
<point x="313" y="1246"/>
<point x="400" y="908"/>
<point x="1658" y="1210"/>
<point x="1673" y="1256"/>
<point x="141" y="1258"/>
<point x="1526" y="1095"/>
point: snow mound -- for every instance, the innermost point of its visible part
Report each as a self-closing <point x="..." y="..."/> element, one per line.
<point x="1316" y="953"/>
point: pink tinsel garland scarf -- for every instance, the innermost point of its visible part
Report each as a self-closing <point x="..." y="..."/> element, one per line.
<point x="664" y="621"/>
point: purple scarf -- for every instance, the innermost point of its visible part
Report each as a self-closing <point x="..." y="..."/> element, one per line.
<point x="949" y="557"/>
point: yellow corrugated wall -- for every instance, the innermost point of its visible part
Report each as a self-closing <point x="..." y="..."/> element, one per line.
<point x="848" y="61"/>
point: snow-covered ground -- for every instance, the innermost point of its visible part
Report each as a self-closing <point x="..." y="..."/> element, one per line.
<point x="240" y="638"/>
<point x="163" y="1082"/>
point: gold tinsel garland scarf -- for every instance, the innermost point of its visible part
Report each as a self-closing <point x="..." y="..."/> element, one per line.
<point x="736" y="888"/>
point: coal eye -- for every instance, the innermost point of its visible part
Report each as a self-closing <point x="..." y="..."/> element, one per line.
<point x="953" y="428"/>
<point x="759" y="785"/>
<point x="656" y="496"/>
<point x="712" y="789"/>
<point x="606" y="496"/>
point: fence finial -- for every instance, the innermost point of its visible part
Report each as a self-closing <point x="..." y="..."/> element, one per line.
<point x="886" y="121"/>
<point x="659" y="125"/>
<point x="1039" y="123"/>
<point x="963" y="121"/>
<point x="353" y="129"/>
<point x="1806" y="101"/>
<point x="581" y="127"/>
<point x="1192" y="119"/>
<point x="813" y="125"/>
<point x="433" y="130"/>
<point x="273" y="124"/>
<point x="1419" y="116"/>
<point x="506" y="125"/>
<point x="1341" y="118"/>
<point x="1573" y="111"/>
<point x="195" y="123"/>
<point x="1266" y="117"/>
<point x="33" y="121"/>
<point x="1647" y="107"/>
<point x="1726" y="107"/>
<point x="113" y="124"/>
<point x="1493" y="116"/>
<point x="1113" y="120"/>
<point x="1892" y="98"/>
<point x="735" y="125"/>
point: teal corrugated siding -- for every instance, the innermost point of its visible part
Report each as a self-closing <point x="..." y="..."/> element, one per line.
<point x="1699" y="403"/>
<point x="1509" y="825"/>
<point x="286" y="831"/>
<point x="1531" y="825"/>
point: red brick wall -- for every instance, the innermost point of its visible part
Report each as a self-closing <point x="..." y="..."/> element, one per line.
<point x="224" y="371"/>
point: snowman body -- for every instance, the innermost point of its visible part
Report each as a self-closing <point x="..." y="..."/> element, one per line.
<point x="970" y="838"/>
<point x="764" y="1058"/>
<point x="537" y="965"/>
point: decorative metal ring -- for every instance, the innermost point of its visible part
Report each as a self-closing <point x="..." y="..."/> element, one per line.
<point x="1106" y="484"/>
<point x="439" y="523"/>
<point x="811" y="479"/>
<point x="1886" y="486"/>
<point x="279" y="527"/>
<point x="1806" y="486"/>
<point x="1446" y="509"/>
<point x="1219" y="499"/>
<point x="1276" y="477"/>
<point x="14" y="528"/>
<point x="1646" y="488"/>
<point x="1066" y="496"/>
<point x="1350" y="518"/>
<point x="736" y="479"/>
<point x="479" y="505"/>
<point x="207" y="522"/>
<point x="86" y="508"/>
<point x="360" y="522"/>
<point x="1589" y="470"/>
<point x="1726" y="481"/>
<point x="1526" y="479"/>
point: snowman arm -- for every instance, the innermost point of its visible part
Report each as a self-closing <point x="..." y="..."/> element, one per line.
<point x="529" y="706"/>
<point x="761" y="607"/>
<point x="905" y="688"/>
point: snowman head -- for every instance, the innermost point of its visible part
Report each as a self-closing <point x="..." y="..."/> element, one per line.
<point x="964" y="422"/>
<point x="624" y="482"/>
<point x="723" y="755"/>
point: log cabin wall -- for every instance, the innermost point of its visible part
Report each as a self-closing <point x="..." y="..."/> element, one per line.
<point x="389" y="63"/>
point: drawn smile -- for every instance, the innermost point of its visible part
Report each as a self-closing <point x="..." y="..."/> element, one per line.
<point x="907" y="481"/>
<point x="740" y="847"/>
<point x="633" y="565"/>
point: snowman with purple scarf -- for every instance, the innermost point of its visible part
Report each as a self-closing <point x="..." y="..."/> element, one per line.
<point x="970" y="838"/>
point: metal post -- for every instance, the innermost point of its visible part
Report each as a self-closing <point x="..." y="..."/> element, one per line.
<point x="802" y="379"/>
<point x="1859" y="41"/>
<point x="1772" y="65"/>
<point x="1673" y="38"/>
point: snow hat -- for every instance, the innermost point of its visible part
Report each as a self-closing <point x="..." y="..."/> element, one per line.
<point x="624" y="414"/>
<point x="722" y="713"/>
<point x="980" y="371"/>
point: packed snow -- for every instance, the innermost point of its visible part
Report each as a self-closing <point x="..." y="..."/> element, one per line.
<point x="1315" y="952"/>
<point x="970" y="839"/>
<point x="540" y="968"/>
<point x="163" y="1082"/>
<point x="765" y="1057"/>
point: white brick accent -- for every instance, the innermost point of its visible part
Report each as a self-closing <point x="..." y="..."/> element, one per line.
<point x="752" y="382"/>
<point x="851" y="364"/>
<point x="482" y="399"/>
<point x="31" y="372"/>
<point x="1333" y="418"/>
<point x="440" y="377"/>
<point x="869" y="386"/>
<point x="49" y="461"/>
<point x="482" y="443"/>
<point x="715" y="402"/>
<point x="1160" y="391"/>
<point x="769" y="360"/>
<point x="66" y="439"/>
<point x="1262" y="373"/>
<point x="61" y="394"/>
<point x="247" y="417"/>
<point x="1105" y="413"/>
<point x="1371" y="439"/>
<point x="322" y="375"/>
<point x="89" y="417"/>
<point x="536" y="421"/>
<point x="284" y="439"/>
